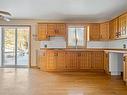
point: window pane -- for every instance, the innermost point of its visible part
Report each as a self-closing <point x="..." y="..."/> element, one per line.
<point x="71" y="37"/>
<point x="22" y="46"/>
<point x="80" y="36"/>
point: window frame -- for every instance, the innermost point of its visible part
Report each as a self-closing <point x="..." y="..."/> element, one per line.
<point x="85" y="36"/>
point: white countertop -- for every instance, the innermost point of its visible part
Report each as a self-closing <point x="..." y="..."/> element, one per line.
<point x="116" y="51"/>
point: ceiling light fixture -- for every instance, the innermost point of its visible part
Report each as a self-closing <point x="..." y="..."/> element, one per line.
<point x="5" y="15"/>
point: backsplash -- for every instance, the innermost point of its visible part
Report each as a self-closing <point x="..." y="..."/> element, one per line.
<point x="117" y="43"/>
<point x="107" y="44"/>
<point x="97" y="44"/>
<point x="54" y="42"/>
<point x="59" y="42"/>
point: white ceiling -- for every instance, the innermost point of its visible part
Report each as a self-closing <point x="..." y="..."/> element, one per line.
<point x="89" y="10"/>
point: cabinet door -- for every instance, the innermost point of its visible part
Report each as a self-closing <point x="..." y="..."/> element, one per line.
<point x="61" y="61"/>
<point x="43" y="60"/>
<point x="72" y="61"/>
<point x="94" y="32"/>
<point x="74" y="65"/>
<point x="123" y="25"/>
<point x="51" y="29"/>
<point x="42" y="32"/>
<point x="51" y="60"/>
<point x="85" y="60"/>
<point x="125" y="68"/>
<point x="97" y="60"/>
<point x="68" y="61"/>
<point x="113" y="29"/>
<point x="75" y="61"/>
<point x="104" y="31"/>
<point x="106" y="62"/>
<point x="61" y="30"/>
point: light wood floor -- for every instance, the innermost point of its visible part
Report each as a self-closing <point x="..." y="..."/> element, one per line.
<point x="35" y="82"/>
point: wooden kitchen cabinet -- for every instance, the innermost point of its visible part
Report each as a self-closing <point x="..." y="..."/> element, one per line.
<point x="125" y="68"/>
<point x="94" y="32"/>
<point x="51" y="28"/>
<point x="97" y="61"/>
<point x="72" y="59"/>
<point x="104" y="31"/>
<point x="113" y="29"/>
<point x="42" y="32"/>
<point x="74" y="63"/>
<point x="61" y="66"/>
<point x="47" y="30"/>
<point x="106" y="62"/>
<point x="85" y="60"/>
<point x="61" y="29"/>
<point x="56" y="29"/>
<point x="51" y="60"/>
<point x="60" y="60"/>
<point x="42" y="60"/>
<point x="122" y="33"/>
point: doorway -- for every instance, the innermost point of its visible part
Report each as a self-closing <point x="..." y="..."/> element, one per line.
<point x="14" y="46"/>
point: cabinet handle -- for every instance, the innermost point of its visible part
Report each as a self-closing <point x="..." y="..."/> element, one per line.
<point x="124" y="58"/>
<point x="55" y="54"/>
<point x="43" y="54"/>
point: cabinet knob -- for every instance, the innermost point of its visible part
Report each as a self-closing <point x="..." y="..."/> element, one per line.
<point x="55" y="54"/>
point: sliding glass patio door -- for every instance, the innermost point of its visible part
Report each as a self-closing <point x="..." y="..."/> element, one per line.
<point x="9" y="46"/>
<point x="22" y="50"/>
<point x="15" y="46"/>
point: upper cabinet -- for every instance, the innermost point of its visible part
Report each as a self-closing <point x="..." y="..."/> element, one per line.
<point x="47" y="30"/>
<point x="122" y="32"/>
<point x="118" y="27"/>
<point x="42" y="32"/>
<point x="98" y="31"/>
<point x="113" y="27"/>
<point x="56" y="29"/>
<point x="111" y="30"/>
<point x="61" y="29"/>
<point x="94" y="32"/>
<point x="51" y="28"/>
<point x="104" y="31"/>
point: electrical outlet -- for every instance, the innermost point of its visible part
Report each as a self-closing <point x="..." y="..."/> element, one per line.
<point x="45" y="45"/>
<point x="124" y="46"/>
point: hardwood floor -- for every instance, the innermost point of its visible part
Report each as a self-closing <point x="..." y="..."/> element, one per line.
<point x="36" y="82"/>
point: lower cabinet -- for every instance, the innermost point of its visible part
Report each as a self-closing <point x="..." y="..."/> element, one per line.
<point x="85" y="60"/>
<point x="97" y="60"/>
<point x="106" y="62"/>
<point x="51" y="64"/>
<point x="42" y="60"/>
<point x="125" y="68"/>
<point x="60" y="60"/>
<point x="71" y="61"/>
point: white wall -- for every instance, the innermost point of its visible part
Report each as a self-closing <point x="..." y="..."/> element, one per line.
<point x="54" y="42"/>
